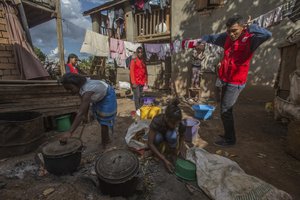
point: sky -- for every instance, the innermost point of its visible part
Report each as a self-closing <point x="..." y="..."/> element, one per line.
<point x="74" y="26"/>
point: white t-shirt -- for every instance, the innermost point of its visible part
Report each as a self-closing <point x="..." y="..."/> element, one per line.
<point x="98" y="87"/>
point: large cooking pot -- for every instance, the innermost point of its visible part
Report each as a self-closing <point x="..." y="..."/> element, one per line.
<point x="116" y="171"/>
<point x="62" y="158"/>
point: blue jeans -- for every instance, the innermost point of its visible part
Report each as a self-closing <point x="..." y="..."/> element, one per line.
<point x="170" y="137"/>
<point x="229" y="96"/>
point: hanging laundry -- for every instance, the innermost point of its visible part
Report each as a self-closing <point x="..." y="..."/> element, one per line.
<point x="288" y="8"/>
<point x="213" y="56"/>
<point x="117" y="51"/>
<point x="295" y="14"/>
<point x="130" y="48"/>
<point x="165" y="51"/>
<point x="189" y="44"/>
<point x="177" y="47"/>
<point x="154" y="2"/>
<point x="164" y="3"/>
<point x="132" y="5"/>
<point x="111" y="18"/>
<point x="95" y="44"/>
<point x="153" y="49"/>
<point x="139" y="4"/>
<point x="271" y="18"/>
<point x="119" y="22"/>
<point x="147" y="7"/>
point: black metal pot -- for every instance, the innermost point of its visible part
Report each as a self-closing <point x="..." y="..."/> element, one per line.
<point x="117" y="172"/>
<point x="62" y="159"/>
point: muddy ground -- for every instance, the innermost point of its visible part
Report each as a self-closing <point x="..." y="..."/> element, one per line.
<point x="260" y="151"/>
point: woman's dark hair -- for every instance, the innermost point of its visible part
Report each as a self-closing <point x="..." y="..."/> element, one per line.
<point x="139" y="49"/>
<point x="235" y="19"/>
<point x="173" y="111"/>
<point x="74" y="79"/>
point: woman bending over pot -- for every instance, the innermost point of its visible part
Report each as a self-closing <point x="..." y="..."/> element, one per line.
<point x="100" y="95"/>
<point x="167" y="129"/>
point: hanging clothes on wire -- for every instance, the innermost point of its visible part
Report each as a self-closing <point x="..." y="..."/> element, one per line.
<point x="95" y="44"/>
<point x="295" y="14"/>
<point x="164" y="3"/>
<point x="117" y="51"/>
<point x="130" y="48"/>
<point x="271" y="18"/>
<point x="147" y="7"/>
<point x="152" y="50"/>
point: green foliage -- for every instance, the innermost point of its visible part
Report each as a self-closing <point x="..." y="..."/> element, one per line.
<point x="40" y="54"/>
<point x="86" y="64"/>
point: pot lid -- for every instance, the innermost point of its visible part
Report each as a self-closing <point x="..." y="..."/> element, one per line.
<point x="117" y="166"/>
<point x="57" y="149"/>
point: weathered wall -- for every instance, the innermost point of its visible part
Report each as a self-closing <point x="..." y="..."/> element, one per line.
<point x="187" y="23"/>
<point x="8" y="70"/>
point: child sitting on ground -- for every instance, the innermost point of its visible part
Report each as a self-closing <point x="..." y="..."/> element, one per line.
<point x="164" y="128"/>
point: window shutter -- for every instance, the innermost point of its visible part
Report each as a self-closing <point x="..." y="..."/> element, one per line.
<point x="201" y="4"/>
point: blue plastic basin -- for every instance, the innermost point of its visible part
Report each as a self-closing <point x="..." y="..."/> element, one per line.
<point x="203" y="111"/>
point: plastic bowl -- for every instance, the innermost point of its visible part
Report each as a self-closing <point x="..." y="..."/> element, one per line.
<point x="203" y="111"/>
<point x="185" y="169"/>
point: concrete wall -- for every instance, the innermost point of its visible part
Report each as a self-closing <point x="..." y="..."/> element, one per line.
<point x="188" y="23"/>
<point x="8" y="69"/>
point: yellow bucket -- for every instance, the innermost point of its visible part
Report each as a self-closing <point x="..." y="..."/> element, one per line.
<point x="149" y="112"/>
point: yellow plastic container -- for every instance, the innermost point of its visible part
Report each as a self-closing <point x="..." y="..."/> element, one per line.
<point x="149" y="112"/>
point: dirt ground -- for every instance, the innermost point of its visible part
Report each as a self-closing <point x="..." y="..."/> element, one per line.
<point x="260" y="151"/>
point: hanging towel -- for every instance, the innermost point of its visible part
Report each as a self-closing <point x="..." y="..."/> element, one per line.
<point x="152" y="49"/>
<point x="95" y="44"/>
<point x="130" y="48"/>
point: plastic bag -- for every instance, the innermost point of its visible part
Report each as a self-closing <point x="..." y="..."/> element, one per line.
<point x="135" y="128"/>
<point x="124" y="85"/>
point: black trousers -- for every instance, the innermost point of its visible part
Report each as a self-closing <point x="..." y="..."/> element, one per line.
<point x="137" y="95"/>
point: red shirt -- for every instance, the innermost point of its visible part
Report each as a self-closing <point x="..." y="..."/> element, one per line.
<point x="236" y="62"/>
<point x="138" y="72"/>
<point x="71" y="69"/>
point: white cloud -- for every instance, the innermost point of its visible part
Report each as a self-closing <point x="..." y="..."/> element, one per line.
<point x="54" y="56"/>
<point x="74" y="25"/>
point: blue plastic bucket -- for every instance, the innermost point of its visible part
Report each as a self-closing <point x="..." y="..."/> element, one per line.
<point x="203" y="111"/>
<point x="192" y="127"/>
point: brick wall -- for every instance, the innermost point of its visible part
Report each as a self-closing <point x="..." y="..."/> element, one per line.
<point x="8" y="68"/>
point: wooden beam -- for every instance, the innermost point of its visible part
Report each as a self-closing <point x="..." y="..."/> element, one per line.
<point x="24" y="22"/>
<point x="96" y="22"/>
<point x="168" y="19"/>
<point x="29" y="3"/>
<point x="60" y="41"/>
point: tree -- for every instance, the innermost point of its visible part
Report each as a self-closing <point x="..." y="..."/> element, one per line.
<point x="40" y="54"/>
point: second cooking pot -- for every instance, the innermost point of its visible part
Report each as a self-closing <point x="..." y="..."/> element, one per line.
<point x="117" y="170"/>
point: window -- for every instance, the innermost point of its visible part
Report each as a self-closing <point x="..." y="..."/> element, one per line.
<point x="208" y="4"/>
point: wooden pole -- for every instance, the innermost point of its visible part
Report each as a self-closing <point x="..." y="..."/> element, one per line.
<point x="60" y="41"/>
<point x="96" y="22"/>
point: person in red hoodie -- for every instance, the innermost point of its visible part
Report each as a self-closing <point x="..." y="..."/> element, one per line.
<point x="239" y="42"/>
<point x="71" y="66"/>
<point x="138" y="77"/>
